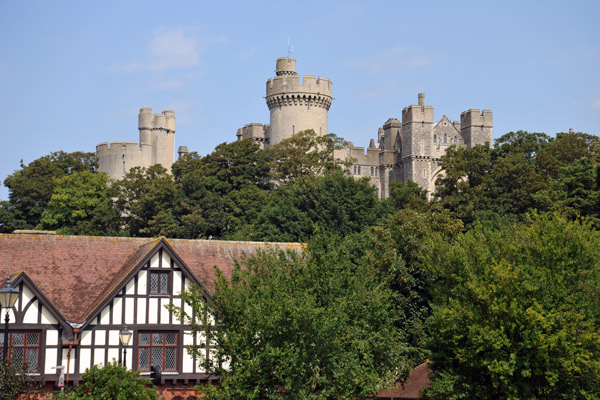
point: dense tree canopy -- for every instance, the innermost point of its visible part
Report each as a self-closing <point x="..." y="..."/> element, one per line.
<point x="31" y="187"/>
<point x="81" y="205"/>
<point x="516" y="312"/>
<point x="311" y="325"/>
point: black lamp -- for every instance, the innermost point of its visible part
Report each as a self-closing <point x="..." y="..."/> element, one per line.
<point x="125" y="336"/>
<point x="8" y="297"/>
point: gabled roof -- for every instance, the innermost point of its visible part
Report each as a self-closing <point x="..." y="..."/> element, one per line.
<point x="77" y="273"/>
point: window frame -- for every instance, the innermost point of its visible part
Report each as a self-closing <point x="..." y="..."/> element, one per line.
<point x="162" y="275"/>
<point x="25" y="346"/>
<point x="164" y="346"/>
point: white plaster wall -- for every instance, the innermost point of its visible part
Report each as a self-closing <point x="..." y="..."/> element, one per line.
<point x="129" y="310"/>
<point x="142" y="282"/>
<point x="117" y="310"/>
<point x="51" y="337"/>
<point x="85" y="359"/>
<point x="31" y="316"/>
<point x="100" y="338"/>
<point x="141" y="311"/>
<point x="48" y="318"/>
<point x="51" y="361"/>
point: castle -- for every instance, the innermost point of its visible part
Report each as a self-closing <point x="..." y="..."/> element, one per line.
<point x="409" y="149"/>
<point x="406" y="149"/>
<point x="156" y="146"/>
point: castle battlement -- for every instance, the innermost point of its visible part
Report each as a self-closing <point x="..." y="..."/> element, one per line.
<point x="117" y="147"/>
<point x="156" y="146"/>
<point x="310" y="85"/>
<point x="418" y="113"/>
<point x="474" y="117"/>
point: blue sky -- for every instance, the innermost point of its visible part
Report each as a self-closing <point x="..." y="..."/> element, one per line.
<point x="74" y="74"/>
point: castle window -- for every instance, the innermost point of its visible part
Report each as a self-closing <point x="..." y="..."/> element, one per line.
<point x="157" y="349"/>
<point x="293" y="129"/>
<point x="372" y="171"/>
<point x="434" y="138"/>
<point x="445" y="138"/>
<point x="359" y="169"/>
<point x="455" y="139"/>
<point x="355" y="170"/>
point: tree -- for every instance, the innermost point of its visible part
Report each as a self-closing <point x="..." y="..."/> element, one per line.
<point x="15" y="382"/>
<point x="146" y="199"/>
<point x="31" y="187"/>
<point x="113" y="382"/>
<point x="332" y="203"/>
<point x="221" y="193"/>
<point x="515" y="314"/>
<point x="408" y="195"/>
<point x="398" y="248"/>
<point x="309" y="325"/>
<point x="305" y="154"/>
<point x="81" y="205"/>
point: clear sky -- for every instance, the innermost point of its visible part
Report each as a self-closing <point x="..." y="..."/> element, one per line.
<point x="75" y="73"/>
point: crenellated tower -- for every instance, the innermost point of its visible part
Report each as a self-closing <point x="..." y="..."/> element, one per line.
<point x="156" y="146"/>
<point x="294" y="105"/>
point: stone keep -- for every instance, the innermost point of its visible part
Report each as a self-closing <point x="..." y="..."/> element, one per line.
<point x="294" y="105"/>
<point x="411" y="149"/>
<point x="156" y="146"/>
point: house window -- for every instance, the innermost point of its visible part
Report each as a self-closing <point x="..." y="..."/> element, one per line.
<point x="445" y="138"/>
<point x="355" y="170"/>
<point x="359" y="169"/>
<point x="372" y="171"/>
<point x="158" y="349"/>
<point x="434" y="138"/>
<point x="455" y="140"/>
<point x="23" y="349"/>
<point x="159" y="282"/>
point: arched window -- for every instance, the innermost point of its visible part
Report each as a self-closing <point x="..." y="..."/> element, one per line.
<point x="434" y="138"/>
<point x="445" y="138"/>
<point x="372" y="171"/>
<point x="359" y="169"/>
<point x="355" y="170"/>
<point x="455" y="139"/>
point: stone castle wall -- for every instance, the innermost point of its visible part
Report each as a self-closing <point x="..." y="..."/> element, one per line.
<point x="155" y="146"/>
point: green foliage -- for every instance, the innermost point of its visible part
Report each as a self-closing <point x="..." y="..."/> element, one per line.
<point x="398" y="248"/>
<point x="14" y="382"/>
<point x="146" y="200"/>
<point x="310" y="325"/>
<point x="333" y="203"/>
<point x="408" y="195"/>
<point x="81" y="205"/>
<point x="222" y="193"/>
<point x="516" y="313"/>
<point x="31" y="187"/>
<point x="112" y="382"/>
<point x="305" y="154"/>
<point x="524" y="171"/>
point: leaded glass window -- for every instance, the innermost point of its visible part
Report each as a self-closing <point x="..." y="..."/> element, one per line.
<point x="23" y="349"/>
<point x="159" y="282"/>
<point x="158" y="349"/>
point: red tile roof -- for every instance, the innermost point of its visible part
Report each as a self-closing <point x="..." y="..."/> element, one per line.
<point x="76" y="273"/>
<point x="417" y="381"/>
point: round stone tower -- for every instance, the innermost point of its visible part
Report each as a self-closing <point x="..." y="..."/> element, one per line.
<point x="296" y="106"/>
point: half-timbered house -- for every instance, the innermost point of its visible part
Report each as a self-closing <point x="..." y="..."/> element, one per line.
<point x="78" y="292"/>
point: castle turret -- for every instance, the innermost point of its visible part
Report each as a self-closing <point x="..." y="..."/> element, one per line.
<point x="476" y="127"/>
<point x="296" y="106"/>
<point x="156" y="146"/>
<point x="417" y="123"/>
